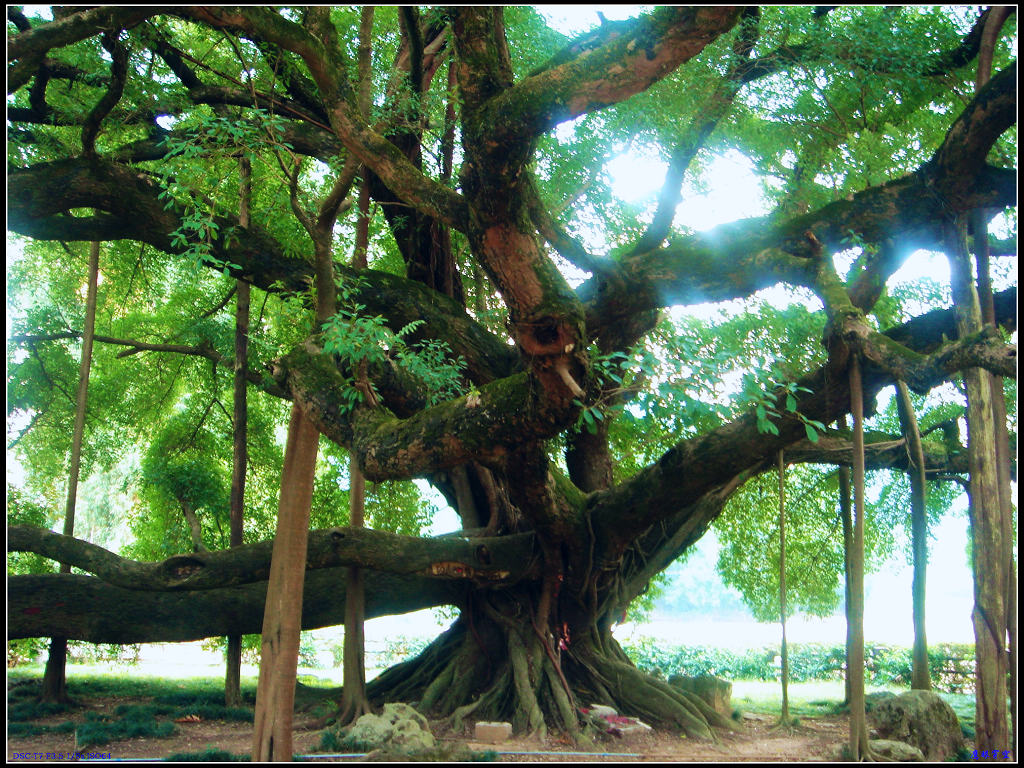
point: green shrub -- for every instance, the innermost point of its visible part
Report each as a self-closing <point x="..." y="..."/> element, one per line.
<point x="395" y="651"/>
<point x="951" y="666"/>
<point x="25" y="650"/>
<point x="80" y="652"/>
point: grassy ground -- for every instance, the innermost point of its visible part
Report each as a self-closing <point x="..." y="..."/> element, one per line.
<point x="203" y="694"/>
<point x="823" y="697"/>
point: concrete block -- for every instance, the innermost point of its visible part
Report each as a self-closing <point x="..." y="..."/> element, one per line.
<point x="492" y="733"/>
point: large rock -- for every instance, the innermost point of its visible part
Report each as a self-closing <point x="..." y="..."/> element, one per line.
<point x="922" y="719"/>
<point x="399" y="726"/>
<point x="714" y="691"/>
<point x="896" y="751"/>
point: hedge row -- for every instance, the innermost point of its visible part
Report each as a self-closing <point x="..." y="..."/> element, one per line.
<point x="951" y="664"/>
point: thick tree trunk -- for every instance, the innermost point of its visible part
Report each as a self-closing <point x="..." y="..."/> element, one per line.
<point x="55" y="675"/>
<point x="493" y="665"/>
<point x="845" y="512"/>
<point x="858" y="743"/>
<point x="988" y="550"/>
<point x="354" y="703"/>
<point x="920" y="678"/>
<point x="1002" y="449"/>
<point x="282" y="621"/>
<point x="784" y="717"/>
<point x="195" y="528"/>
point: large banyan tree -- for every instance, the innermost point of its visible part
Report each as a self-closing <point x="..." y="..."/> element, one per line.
<point x="476" y="138"/>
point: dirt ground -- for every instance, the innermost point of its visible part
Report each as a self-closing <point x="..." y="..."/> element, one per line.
<point x="814" y="740"/>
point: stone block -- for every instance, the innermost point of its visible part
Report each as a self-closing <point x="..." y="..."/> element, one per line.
<point x="492" y="733"/>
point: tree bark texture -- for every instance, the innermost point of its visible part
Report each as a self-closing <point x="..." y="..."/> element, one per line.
<point x="988" y="546"/>
<point x="858" y="743"/>
<point x="282" y="623"/>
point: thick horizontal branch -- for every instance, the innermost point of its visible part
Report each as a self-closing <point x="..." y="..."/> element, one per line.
<point x="628" y="61"/>
<point x="485" y="425"/>
<point x="486" y="560"/>
<point x="26" y="50"/>
<point x="85" y="608"/>
<point x="40" y="196"/>
<point x="735" y="260"/>
<point x="880" y="452"/>
<point x="327" y="71"/>
<point x="901" y="216"/>
<point x="698" y="466"/>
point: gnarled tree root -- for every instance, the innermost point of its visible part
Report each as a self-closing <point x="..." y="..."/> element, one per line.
<point x="499" y="670"/>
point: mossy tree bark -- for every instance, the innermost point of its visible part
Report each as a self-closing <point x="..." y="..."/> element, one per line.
<point x="988" y="545"/>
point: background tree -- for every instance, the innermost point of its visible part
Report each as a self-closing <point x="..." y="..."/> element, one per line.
<point x="920" y="678"/>
<point x="240" y="431"/>
<point x="536" y="358"/>
<point x="54" y="679"/>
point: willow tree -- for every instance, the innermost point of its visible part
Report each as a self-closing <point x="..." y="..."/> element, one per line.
<point x="499" y="250"/>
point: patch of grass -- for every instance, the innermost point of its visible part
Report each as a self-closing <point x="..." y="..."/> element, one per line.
<point x="444" y="753"/>
<point x="211" y="755"/>
<point x="25" y="729"/>
<point x="23" y="689"/>
<point x="96" y="680"/>
<point x="34" y="729"/>
<point x="808" y="699"/>
<point x="333" y="740"/>
<point x="96" y="732"/>
<point x="142" y="711"/>
<point x="33" y="710"/>
<point x="187" y="698"/>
